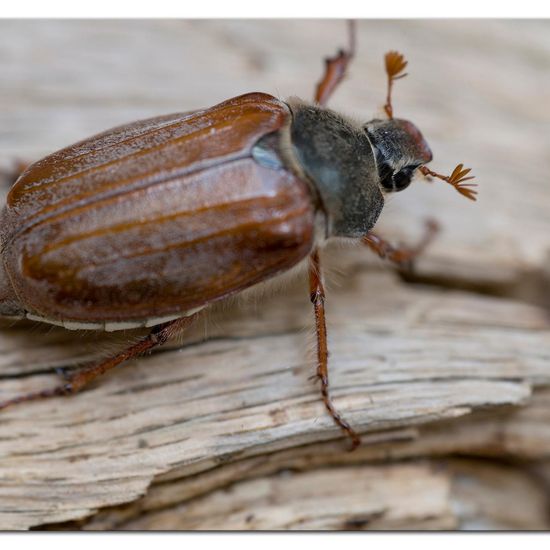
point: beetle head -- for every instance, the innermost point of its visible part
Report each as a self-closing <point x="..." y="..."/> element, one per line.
<point x="399" y="148"/>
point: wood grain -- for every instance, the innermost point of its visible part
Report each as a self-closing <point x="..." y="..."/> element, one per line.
<point x="425" y="371"/>
<point x="465" y="494"/>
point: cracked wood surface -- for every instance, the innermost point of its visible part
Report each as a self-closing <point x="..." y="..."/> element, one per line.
<point x="421" y="371"/>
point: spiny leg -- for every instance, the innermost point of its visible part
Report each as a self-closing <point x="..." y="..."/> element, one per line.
<point x="82" y="377"/>
<point x="335" y="69"/>
<point x="404" y="256"/>
<point x="317" y="294"/>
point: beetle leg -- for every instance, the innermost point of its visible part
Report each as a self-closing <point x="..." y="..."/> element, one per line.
<point x="317" y="294"/>
<point x="335" y="69"/>
<point x="82" y="377"/>
<point x="403" y="256"/>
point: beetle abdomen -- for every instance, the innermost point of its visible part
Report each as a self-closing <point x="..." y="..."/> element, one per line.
<point x="157" y="217"/>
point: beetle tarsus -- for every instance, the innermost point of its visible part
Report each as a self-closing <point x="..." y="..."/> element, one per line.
<point x="337" y="417"/>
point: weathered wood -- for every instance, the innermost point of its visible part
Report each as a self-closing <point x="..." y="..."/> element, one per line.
<point x="422" y="371"/>
<point x="471" y="495"/>
<point x="510" y="433"/>
<point x="342" y="498"/>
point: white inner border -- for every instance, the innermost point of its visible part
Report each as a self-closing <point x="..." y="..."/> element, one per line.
<point x="279" y="8"/>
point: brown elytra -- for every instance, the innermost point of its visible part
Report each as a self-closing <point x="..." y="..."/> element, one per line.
<point x="154" y="218"/>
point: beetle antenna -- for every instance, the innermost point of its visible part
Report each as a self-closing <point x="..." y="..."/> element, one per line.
<point x="395" y="65"/>
<point x="456" y="179"/>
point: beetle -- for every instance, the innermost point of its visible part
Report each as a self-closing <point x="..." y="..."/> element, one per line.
<point x="147" y="224"/>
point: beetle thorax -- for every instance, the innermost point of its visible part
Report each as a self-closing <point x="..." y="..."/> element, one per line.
<point x="338" y="159"/>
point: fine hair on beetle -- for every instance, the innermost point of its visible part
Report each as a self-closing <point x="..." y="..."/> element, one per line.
<point x="149" y="224"/>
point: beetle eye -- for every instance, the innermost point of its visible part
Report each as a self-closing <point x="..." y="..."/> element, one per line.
<point x="385" y="174"/>
<point x="401" y="180"/>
